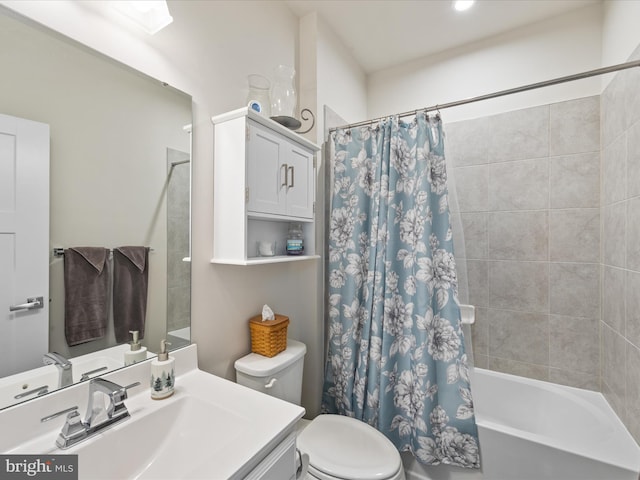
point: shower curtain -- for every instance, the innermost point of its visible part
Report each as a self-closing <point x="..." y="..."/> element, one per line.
<point x="395" y="355"/>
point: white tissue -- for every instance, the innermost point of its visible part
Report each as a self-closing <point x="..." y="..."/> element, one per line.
<point x="267" y="313"/>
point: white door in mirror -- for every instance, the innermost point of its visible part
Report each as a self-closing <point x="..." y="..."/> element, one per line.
<point x="24" y="243"/>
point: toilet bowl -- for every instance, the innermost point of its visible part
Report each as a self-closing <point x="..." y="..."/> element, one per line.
<point x="339" y="448"/>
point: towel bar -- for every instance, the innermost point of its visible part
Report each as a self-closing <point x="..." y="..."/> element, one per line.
<point x="59" y="251"/>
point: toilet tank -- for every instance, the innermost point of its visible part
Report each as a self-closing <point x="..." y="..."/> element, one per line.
<point x="279" y="376"/>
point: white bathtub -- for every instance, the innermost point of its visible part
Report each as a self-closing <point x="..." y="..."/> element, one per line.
<point x="533" y="430"/>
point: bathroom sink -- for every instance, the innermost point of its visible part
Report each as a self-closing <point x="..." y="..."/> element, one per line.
<point x="189" y="429"/>
<point x="209" y="428"/>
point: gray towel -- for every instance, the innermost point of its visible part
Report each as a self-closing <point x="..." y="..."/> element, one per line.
<point x="86" y="293"/>
<point x="130" y="282"/>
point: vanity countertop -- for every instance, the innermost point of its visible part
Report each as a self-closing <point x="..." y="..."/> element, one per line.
<point x="209" y="428"/>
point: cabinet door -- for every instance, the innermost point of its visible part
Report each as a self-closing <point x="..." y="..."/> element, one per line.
<point x="267" y="173"/>
<point x="279" y="464"/>
<point x="301" y="182"/>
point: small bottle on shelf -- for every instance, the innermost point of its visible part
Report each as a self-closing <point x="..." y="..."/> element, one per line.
<point x="295" y="242"/>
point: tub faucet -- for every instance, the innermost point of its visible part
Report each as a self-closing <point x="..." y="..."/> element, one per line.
<point x="65" y="373"/>
<point x="100" y="414"/>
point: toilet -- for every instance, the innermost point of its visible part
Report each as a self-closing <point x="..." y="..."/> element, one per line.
<point x="339" y="447"/>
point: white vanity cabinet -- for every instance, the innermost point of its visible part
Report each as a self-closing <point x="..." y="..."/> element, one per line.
<point x="264" y="180"/>
<point x="279" y="464"/>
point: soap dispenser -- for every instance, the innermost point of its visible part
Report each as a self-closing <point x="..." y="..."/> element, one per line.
<point x="138" y="353"/>
<point x="162" y="373"/>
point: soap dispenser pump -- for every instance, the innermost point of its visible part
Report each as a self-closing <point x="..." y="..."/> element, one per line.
<point x="137" y="353"/>
<point x="162" y="373"/>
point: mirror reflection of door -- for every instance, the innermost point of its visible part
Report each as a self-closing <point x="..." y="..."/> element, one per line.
<point x="24" y="233"/>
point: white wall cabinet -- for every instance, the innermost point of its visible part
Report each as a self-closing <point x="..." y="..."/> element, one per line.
<point x="280" y="175"/>
<point x="264" y="179"/>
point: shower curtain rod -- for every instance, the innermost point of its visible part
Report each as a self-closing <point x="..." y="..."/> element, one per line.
<point x="179" y="162"/>
<point x="502" y="93"/>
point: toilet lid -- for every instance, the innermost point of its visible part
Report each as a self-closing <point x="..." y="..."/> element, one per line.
<point x="349" y="449"/>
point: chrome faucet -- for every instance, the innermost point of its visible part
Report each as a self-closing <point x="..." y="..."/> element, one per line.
<point x="98" y="416"/>
<point x="65" y="372"/>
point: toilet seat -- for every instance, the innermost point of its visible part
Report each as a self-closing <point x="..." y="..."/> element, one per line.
<point x="347" y="449"/>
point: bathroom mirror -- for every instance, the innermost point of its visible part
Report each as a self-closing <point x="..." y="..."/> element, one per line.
<point x="120" y="169"/>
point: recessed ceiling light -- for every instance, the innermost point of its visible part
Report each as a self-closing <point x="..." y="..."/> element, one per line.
<point x="462" y="5"/>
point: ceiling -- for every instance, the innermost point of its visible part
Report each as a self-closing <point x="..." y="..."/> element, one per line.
<point x="384" y="33"/>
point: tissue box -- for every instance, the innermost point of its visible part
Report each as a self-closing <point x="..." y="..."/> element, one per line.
<point x="268" y="338"/>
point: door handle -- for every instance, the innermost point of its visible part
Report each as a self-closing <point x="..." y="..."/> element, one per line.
<point x="286" y="175"/>
<point x="32" y="303"/>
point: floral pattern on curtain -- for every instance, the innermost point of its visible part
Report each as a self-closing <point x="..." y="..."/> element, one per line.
<point x="396" y="356"/>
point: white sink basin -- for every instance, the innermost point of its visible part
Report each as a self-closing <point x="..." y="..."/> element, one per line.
<point x="188" y="429"/>
<point x="210" y="428"/>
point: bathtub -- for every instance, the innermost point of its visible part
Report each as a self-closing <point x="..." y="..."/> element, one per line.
<point x="533" y="430"/>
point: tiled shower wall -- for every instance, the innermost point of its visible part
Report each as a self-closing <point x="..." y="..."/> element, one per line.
<point x="528" y="196"/>
<point x="620" y="212"/>
<point x="178" y="271"/>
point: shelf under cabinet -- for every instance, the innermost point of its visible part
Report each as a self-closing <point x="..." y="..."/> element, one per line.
<point x="265" y="260"/>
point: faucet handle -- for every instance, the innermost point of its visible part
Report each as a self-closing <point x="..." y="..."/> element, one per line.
<point x="57" y="414"/>
<point x="73" y="431"/>
<point x="132" y="385"/>
<point x="73" y="425"/>
<point x="86" y="375"/>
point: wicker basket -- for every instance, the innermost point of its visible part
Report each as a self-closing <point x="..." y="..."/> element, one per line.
<point x="268" y="338"/>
